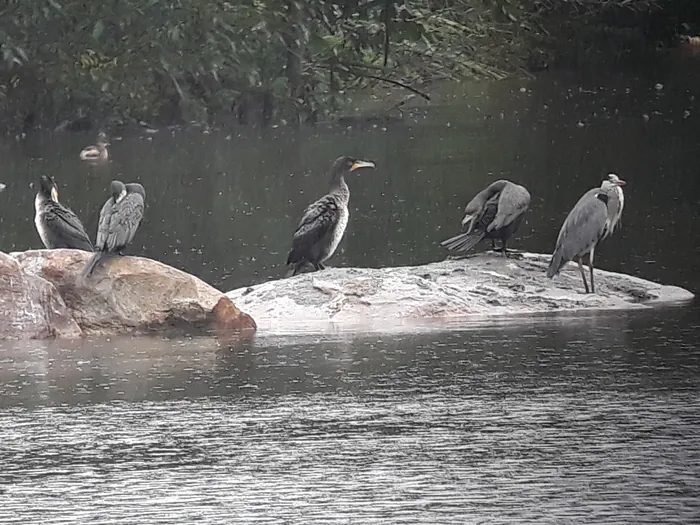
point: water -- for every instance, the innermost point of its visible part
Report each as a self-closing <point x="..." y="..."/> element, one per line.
<point x="563" y="420"/>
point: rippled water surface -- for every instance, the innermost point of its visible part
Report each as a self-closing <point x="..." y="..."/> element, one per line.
<point x="551" y="420"/>
<point x="590" y="420"/>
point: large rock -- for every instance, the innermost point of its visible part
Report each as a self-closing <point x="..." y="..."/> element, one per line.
<point x="479" y="287"/>
<point x="134" y="294"/>
<point x="31" y="307"/>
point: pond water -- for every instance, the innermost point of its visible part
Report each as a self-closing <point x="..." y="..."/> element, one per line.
<point x="590" y="419"/>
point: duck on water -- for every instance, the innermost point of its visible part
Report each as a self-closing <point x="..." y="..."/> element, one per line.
<point x="57" y="225"/>
<point x="494" y="213"/>
<point x="120" y="217"/>
<point x="96" y="152"/>
<point x="323" y="223"/>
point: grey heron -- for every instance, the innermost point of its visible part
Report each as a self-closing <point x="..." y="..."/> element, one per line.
<point x="57" y="225"/>
<point x="120" y="217"/>
<point x="494" y="213"/>
<point x="323" y="223"/>
<point x="591" y="220"/>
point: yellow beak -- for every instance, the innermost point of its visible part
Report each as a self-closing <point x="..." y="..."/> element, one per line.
<point x="362" y="164"/>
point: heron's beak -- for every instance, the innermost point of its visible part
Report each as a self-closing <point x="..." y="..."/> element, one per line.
<point x="467" y="218"/>
<point x="620" y="182"/>
<point x="54" y="194"/>
<point x="362" y="164"/>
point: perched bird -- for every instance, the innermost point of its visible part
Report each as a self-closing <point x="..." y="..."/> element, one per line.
<point x="592" y="219"/>
<point x="120" y="217"/>
<point x="96" y="152"/>
<point x="58" y="226"/>
<point x="494" y="213"/>
<point x="323" y="224"/>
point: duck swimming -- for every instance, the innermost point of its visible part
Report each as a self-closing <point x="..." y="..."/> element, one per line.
<point x="96" y="152"/>
<point x="57" y="225"/>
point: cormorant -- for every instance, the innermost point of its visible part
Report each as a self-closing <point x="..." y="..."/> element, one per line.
<point x="120" y="217"/>
<point x="592" y="219"/>
<point x="323" y="224"/>
<point x="58" y="226"/>
<point x="494" y="213"/>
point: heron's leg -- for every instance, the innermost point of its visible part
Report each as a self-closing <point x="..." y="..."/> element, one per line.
<point x="583" y="274"/>
<point x="321" y="266"/>
<point x="317" y="266"/>
<point x="505" y="247"/>
<point x="493" y="244"/>
<point x="590" y="265"/>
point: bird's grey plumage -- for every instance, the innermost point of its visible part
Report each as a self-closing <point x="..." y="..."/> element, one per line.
<point x="494" y="213"/>
<point x="592" y="219"/>
<point x="616" y="203"/>
<point x="120" y="218"/>
<point x="57" y="225"/>
<point x="323" y="223"/>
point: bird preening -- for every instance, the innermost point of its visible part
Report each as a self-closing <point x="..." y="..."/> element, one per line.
<point x="494" y="213"/>
<point x="323" y="223"/>
<point x="120" y="217"/>
<point x="594" y="217"/>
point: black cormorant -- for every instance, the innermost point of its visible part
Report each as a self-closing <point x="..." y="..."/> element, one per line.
<point x="119" y="219"/>
<point x="58" y="226"/>
<point x="494" y="213"/>
<point x="323" y="224"/>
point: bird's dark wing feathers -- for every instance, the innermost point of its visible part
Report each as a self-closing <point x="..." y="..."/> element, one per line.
<point x="513" y="201"/>
<point x="58" y="217"/>
<point x="318" y="219"/>
<point x="486" y="214"/>
<point x="124" y="221"/>
<point x="103" y="225"/>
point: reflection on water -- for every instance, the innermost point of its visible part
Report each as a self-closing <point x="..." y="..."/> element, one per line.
<point x="552" y="420"/>
<point x="589" y="420"/>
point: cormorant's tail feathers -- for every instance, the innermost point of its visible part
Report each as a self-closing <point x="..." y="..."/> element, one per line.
<point x="463" y="242"/>
<point x="96" y="258"/>
<point x="294" y="268"/>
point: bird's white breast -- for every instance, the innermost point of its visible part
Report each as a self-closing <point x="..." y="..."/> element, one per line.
<point x="338" y="231"/>
<point x="39" y="220"/>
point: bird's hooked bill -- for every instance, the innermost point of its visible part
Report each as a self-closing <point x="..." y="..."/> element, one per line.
<point x="361" y="164"/>
<point x="467" y="218"/>
<point x="54" y="194"/>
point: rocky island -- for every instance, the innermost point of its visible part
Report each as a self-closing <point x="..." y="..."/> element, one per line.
<point x="397" y="299"/>
<point x="42" y="294"/>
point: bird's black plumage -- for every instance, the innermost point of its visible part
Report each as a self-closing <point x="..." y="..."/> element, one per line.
<point x="494" y="213"/>
<point x="324" y="222"/>
<point x="120" y="218"/>
<point x="57" y="225"/>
